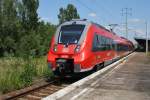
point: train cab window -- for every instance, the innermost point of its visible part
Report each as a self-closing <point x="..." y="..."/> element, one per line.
<point x="70" y="34"/>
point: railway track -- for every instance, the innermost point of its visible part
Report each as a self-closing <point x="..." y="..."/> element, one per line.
<point x="37" y="92"/>
<point x="41" y="90"/>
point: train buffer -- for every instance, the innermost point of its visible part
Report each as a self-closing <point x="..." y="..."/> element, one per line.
<point x="127" y="81"/>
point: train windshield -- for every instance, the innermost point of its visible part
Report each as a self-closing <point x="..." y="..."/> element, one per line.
<point x="70" y="34"/>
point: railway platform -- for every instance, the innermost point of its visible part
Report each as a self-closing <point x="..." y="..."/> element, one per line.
<point x="128" y="81"/>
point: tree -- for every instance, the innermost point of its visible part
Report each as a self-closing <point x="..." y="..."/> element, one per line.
<point x="21" y="32"/>
<point x="46" y="31"/>
<point x="68" y="14"/>
<point x="29" y="14"/>
<point x="8" y="26"/>
<point x="61" y="16"/>
<point x="1" y="50"/>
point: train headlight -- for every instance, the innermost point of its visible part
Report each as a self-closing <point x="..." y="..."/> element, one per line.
<point x="55" y="48"/>
<point x="77" y="49"/>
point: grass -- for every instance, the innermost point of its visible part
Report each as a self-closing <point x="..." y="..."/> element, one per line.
<point x="16" y="73"/>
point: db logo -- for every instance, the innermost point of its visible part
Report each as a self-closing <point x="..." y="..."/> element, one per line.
<point x="108" y="54"/>
<point x="65" y="50"/>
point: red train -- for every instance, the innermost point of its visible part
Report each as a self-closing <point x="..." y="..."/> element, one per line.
<point x="80" y="46"/>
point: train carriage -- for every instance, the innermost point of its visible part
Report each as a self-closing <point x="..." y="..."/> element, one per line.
<point x="80" y="46"/>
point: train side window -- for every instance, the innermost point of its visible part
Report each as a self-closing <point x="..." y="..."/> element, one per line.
<point x="107" y="44"/>
<point x="114" y="45"/>
<point x="102" y="45"/>
<point x="95" y="43"/>
<point x="111" y="44"/>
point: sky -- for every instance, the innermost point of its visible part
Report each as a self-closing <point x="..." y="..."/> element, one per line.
<point x="104" y="12"/>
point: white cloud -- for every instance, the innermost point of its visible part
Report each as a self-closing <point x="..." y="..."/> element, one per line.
<point x="92" y="15"/>
<point x="139" y="31"/>
<point x="135" y="20"/>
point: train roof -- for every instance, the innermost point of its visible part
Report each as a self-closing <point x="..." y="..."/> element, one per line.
<point x="85" y="22"/>
<point x="116" y="38"/>
<point x="76" y="21"/>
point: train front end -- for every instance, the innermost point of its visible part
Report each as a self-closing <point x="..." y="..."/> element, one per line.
<point x="66" y="53"/>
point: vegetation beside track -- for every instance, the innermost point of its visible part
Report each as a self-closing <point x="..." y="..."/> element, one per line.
<point x="16" y="73"/>
<point x="24" y="33"/>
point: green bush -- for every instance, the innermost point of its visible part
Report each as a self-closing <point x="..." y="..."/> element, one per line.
<point x="16" y="73"/>
<point x="28" y="73"/>
<point x="10" y="75"/>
